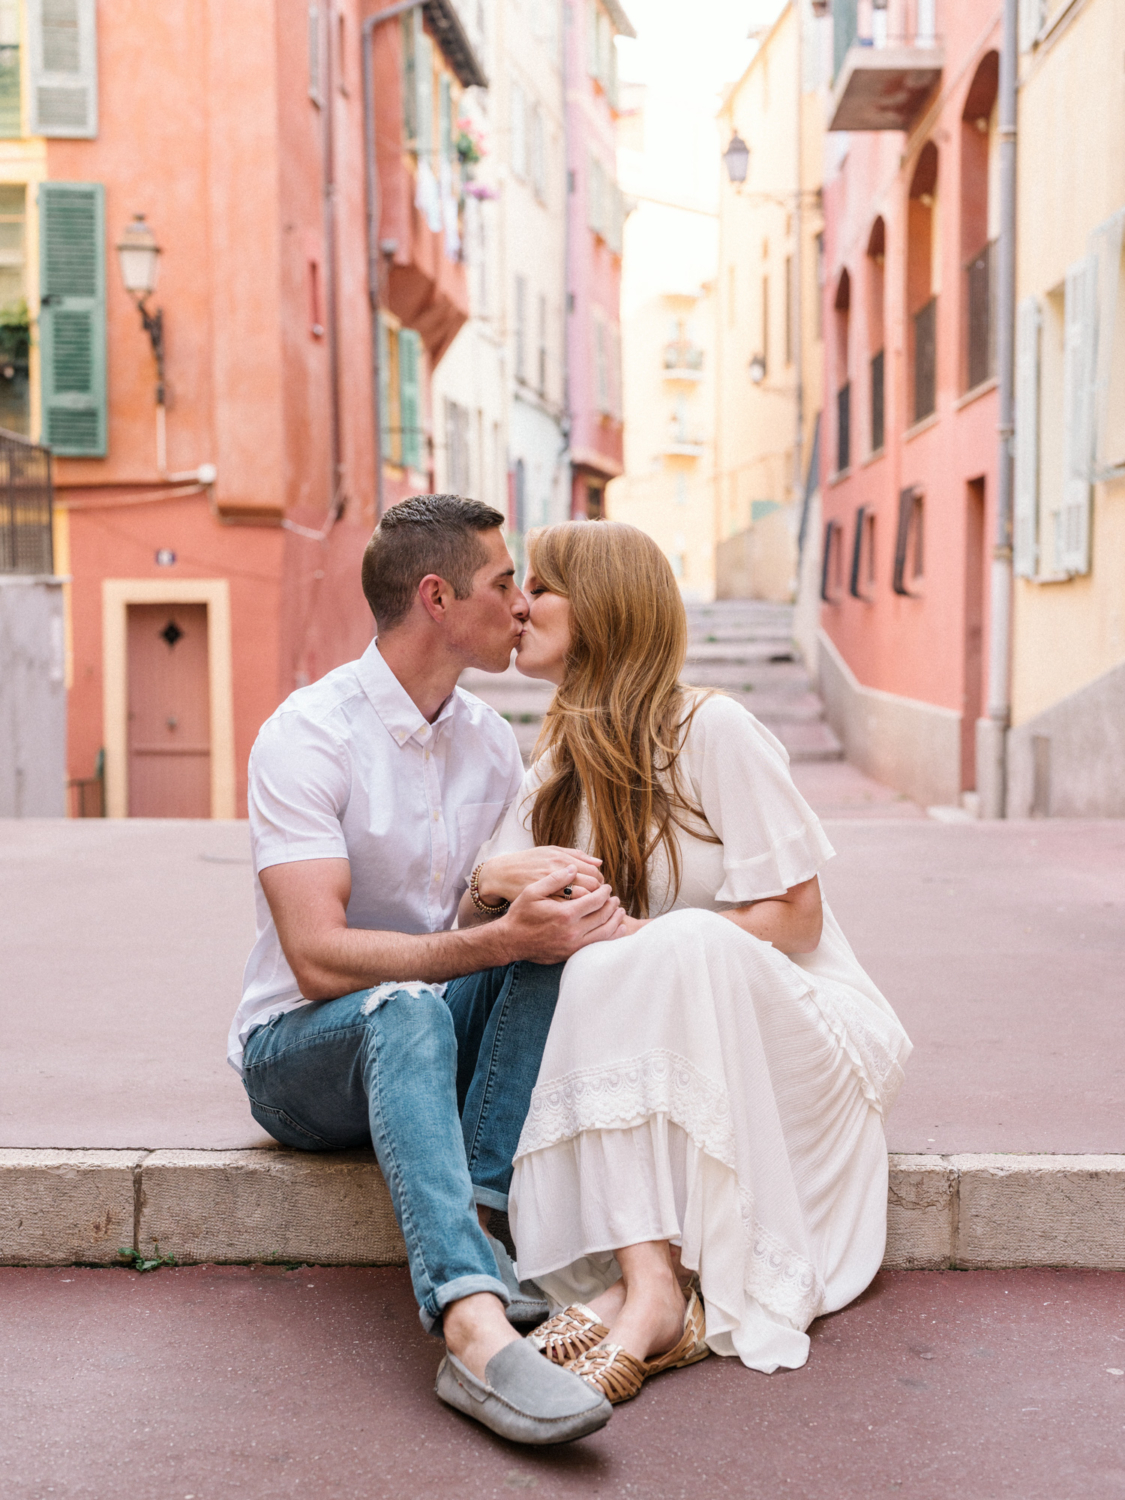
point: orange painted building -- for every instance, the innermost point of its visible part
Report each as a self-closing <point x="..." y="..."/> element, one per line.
<point x="909" y="427"/>
<point x="213" y="539"/>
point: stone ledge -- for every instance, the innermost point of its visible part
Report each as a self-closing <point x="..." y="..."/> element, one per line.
<point x="61" y="1207"/>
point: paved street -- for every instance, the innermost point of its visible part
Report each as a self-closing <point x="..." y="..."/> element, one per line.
<point x="211" y="1383"/>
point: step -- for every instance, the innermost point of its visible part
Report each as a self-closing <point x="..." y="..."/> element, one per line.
<point x="66" y="1207"/>
<point x="806" y="741"/>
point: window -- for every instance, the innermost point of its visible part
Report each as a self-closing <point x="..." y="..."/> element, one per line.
<point x="876" y="292"/>
<point x="10" y="118"/>
<point x="596" y="197"/>
<point x="908" y="541"/>
<point x="418" y="85"/>
<point x="844" y="427"/>
<point x="979" y="147"/>
<point x="14" y="326"/>
<point x="62" y="59"/>
<point x="921" y="284"/>
<point x="820" y="283"/>
<point x="457" y="447"/>
<point x="401" y="436"/>
<point x="541" y="363"/>
<point x="832" y="562"/>
<point x="521" y="328"/>
<point x="519" y="130"/>
<point x="878" y="403"/>
<point x="863" y="555"/>
<point x="843" y="312"/>
<point x="789" y="308"/>
<point x="765" y="325"/>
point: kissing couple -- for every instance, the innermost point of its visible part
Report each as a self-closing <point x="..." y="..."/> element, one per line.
<point x="605" y="996"/>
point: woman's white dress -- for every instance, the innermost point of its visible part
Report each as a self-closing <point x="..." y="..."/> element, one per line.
<point x="701" y="1087"/>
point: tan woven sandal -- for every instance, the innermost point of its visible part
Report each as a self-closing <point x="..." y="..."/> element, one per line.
<point x="569" y="1334"/>
<point x="619" y="1375"/>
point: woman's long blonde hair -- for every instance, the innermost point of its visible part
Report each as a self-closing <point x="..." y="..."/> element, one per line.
<point x="616" y="724"/>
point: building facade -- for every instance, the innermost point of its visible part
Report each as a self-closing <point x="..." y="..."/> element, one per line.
<point x="594" y="224"/>
<point x="909" y="433"/>
<point x="1066" y="747"/>
<point x="220" y="466"/>
<point x="768" y="338"/>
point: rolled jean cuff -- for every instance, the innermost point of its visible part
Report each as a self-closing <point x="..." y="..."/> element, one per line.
<point x="490" y="1198"/>
<point x="453" y="1291"/>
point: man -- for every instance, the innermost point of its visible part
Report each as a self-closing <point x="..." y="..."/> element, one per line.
<point x="370" y="794"/>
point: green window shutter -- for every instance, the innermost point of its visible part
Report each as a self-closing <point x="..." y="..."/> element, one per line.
<point x="1025" y="519"/>
<point x="63" y="58"/>
<point x="409" y="398"/>
<point x="409" y="77"/>
<point x="72" y="317"/>
<point x="385" y="447"/>
<point x="446" y="120"/>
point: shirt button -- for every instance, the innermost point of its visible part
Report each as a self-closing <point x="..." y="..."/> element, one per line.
<point x="437" y="817"/>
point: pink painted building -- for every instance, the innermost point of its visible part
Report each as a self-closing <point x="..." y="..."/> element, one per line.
<point x="213" y="526"/>
<point x="909" y="424"/>
<point x="594" y="221"/>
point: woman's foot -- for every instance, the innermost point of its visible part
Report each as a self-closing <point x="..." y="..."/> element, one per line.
<point x="651" y="1318"/>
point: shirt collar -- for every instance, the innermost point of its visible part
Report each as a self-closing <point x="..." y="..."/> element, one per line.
<point x="401" y="716"/>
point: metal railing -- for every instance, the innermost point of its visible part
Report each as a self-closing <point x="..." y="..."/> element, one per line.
<point x="26" y="541"/>
<point x="843" y="428"/>
<point x="925" y="360"/>
<point x="683" y="357"/>
<point x="980" y="305"/>
<point x="878" y="402"/>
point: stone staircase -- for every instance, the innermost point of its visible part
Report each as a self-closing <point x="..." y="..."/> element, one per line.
<point x="743" y="646"/>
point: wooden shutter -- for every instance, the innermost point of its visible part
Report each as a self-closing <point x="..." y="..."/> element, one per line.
<point x="1025" y="517"/>
<point x="446" y="115"/>
<point x="63" y="67"/>
<point x="1072" y="538"/>
<point x="424" y="84"/>
<point x="72" y="317"/>
<point x="385" y="445"/>
<point x="411" y="24"/>
<point x="1030" y="21"/>
<point x="409" y="398"/>
<point x="1105" y="253"/>
<point x="11" y="122"/>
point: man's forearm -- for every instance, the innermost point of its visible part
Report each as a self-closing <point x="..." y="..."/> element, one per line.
<point x="355" y="958"/>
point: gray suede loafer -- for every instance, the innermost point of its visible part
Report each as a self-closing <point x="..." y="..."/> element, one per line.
<point x="528" y="1304"/>
<point x="524" y="1397"/>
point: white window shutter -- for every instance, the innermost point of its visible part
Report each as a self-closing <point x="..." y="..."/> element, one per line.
<point x="1030" y="21"/>
<point x="424" y="84"/>
<point x="1105" y="254"/>
<point x="63" y="66"/>
<point x="1025" y="519"/>
<point x="1072" y="541"/>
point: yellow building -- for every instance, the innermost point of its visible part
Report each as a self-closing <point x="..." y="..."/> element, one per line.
<point x="1066" y="749"/>
<point x="768" y="343"/>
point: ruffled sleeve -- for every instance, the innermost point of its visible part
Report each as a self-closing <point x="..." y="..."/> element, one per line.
<point x="772" y="839"/>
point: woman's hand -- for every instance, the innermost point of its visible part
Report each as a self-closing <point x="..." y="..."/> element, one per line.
<point x="506" y="876"/>
<point x="629" y="925"/>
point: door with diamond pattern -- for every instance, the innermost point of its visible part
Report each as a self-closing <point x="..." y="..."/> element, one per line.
<point x="169" y="711"/>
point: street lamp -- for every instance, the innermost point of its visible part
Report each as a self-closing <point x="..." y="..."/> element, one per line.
<point x="736" y="158"/>
<point x="138" y="255"/>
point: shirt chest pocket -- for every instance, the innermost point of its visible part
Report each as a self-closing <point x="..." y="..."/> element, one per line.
<point x="476" y="822"/>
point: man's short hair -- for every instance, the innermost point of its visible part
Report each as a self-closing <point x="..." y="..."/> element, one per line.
<point x="424" y="534"/>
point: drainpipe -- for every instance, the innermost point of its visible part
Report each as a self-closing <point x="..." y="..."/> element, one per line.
<point x="335" y="492"/>
<point x="992" y="731"/>
<point x="371" y="173"/>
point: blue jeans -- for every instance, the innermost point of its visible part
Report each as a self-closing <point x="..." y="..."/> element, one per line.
<point x="334" y="1075"/>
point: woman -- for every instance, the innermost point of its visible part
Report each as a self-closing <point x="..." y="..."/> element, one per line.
<point x="709" y="1110"/>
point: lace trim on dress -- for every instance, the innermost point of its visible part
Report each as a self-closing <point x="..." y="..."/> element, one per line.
<point x="877" y="1069"/>
<point x="661" y="1082"/>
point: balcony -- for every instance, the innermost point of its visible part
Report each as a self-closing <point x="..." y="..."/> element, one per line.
<point x="883" y="88"/>
<point x="25" y="506"/>
<point x="882" y="80"/>
<point x="682" y="443"/>
<point x="683" y="362"/>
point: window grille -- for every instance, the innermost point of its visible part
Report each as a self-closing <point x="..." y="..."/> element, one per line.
<point x="925" y="360"/>
<point x="26" y="541"/>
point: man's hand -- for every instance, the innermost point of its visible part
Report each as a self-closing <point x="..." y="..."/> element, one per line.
<point x="546" y="930"/>
<point x="504" y="876"/>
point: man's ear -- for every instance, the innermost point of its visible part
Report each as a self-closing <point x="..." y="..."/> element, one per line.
<point x="434" y="591"/>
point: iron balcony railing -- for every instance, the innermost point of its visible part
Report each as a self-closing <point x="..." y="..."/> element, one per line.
<point x="843" y="428"/>
<point x="26" y="541"/>
<point x="925" y="360"/>
<point x="683" y="357"/>
<point x="980" y="304"/>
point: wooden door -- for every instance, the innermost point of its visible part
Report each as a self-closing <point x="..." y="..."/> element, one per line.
<point x="169" y="711"/>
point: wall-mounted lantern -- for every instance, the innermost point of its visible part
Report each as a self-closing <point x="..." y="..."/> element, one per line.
<point x="757" y="369"/>
<point x="736" y="158"/>
<point x="138" y="255"/>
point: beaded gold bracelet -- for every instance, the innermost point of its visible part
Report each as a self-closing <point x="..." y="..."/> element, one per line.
<point x="478" y="901"/>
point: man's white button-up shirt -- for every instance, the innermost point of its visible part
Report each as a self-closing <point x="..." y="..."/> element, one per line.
<point x="349" y="768"/>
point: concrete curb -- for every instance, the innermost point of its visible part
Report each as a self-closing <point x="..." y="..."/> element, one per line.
<point x="62" y="1207"/>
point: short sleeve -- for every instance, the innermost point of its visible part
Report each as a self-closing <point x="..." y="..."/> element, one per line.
<point x="772" y="839"/>
<point x="300" y="780"/>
